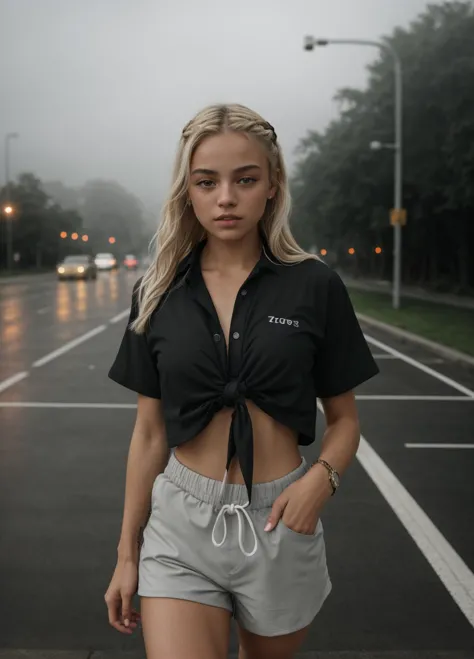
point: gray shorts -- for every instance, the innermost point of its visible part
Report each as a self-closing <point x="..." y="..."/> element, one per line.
<point x="203" y="544"/>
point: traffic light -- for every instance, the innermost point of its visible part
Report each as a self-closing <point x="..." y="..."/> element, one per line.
<point x="111" y="240"/>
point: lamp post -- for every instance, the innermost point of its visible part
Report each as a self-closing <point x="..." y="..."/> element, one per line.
<point x="398" y="215"/>
<point x="9" y="214"/>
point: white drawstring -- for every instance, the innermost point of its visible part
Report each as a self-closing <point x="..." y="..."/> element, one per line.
<point x="234" y="509"/>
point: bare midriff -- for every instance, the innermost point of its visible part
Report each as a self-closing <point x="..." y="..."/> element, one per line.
<point x="276" y="451"/>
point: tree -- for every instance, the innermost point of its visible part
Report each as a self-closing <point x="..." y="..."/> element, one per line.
<point x="343" y="191"/>
<point x="37" y="222"/>
<point x="109" y="210"/>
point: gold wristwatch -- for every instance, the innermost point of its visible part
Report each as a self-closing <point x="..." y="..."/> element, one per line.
<point x="333" y="475"/>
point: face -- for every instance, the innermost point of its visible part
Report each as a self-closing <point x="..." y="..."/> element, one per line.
<point x="229" y="184"/>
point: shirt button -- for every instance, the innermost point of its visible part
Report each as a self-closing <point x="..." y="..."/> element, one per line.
<point x="217" y="338"/>
<point x="243" y="291"/>
<point x="235" y="335"/>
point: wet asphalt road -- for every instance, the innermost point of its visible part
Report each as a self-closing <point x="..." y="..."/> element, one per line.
<point x="399" y="535"/>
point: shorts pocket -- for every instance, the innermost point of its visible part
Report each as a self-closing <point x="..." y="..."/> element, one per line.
<point x="304" y="536"/>
<point x="154" y="490"/>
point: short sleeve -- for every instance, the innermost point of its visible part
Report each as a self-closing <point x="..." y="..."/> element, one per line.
<point x="134" y="366"/>
<point x="344" y="359"/>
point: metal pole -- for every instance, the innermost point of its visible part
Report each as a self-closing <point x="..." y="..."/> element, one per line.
<point x="9" y="217"/>
<point x="309" y="44"/>
<point x="397" y="235"/>
<point x="9" y="228"/>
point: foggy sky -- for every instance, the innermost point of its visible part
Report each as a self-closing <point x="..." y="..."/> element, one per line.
<point x="102" y="88"/>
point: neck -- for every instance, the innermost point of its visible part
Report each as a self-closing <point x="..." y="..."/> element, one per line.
<point x="231" y="254"/>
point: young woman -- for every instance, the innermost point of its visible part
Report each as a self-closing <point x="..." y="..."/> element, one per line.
<point x="234" y="332"/>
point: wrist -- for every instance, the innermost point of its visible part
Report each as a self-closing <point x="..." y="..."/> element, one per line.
<point x="127" y="554"/>
<point x="318" y="475"/>
<point x="328" y="474"/>
<point x="129" y="548"/>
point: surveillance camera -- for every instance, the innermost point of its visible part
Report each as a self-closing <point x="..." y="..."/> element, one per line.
<point x="308" y="43"/>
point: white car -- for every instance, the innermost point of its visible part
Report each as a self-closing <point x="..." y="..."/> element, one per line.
<point x="106" y="261"/>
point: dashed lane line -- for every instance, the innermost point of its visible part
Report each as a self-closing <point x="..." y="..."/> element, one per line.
<point x="69" y="346"/>
<point x="9" y="382"/>
<point x="17" y="377"/>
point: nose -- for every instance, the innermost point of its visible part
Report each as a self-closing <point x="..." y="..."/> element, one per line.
<point x="227" y="197"/>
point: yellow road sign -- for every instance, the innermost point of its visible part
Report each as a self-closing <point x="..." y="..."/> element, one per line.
<point x="398" y="216"/>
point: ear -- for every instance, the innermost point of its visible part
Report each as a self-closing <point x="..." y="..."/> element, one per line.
<point x="271" y="192"/>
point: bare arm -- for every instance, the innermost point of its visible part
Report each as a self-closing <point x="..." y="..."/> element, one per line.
<point x="301" y="503"/>
<point x="147" y="457"/>
<point x="341" y="438"/>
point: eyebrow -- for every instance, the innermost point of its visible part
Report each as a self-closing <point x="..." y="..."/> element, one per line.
<point x="212" y="172"/>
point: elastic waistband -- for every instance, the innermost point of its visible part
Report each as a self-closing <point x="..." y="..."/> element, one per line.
<point x="209" y="490"/>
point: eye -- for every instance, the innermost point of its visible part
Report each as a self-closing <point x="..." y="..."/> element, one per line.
<point x="205" y="183"/>
<point x="247" y="180"/>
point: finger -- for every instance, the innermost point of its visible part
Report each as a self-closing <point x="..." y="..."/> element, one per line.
<point x="114" y="619"/>
<point x="278" y="507"/>
<point x="126" y="609"/>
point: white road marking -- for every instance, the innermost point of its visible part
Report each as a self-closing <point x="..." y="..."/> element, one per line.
<point x="428" y="360"/>
<point x="448" y="446"/>
<point x="464" y="399"/>
<point x="448" y="565"/>
<point x="119" y="316"/>
<point x="9" y="382"/>
<point x="68" y="346"/>
<point x="453" y="572"/>
<point x="43" y="310"/>
<point x="102" y="406"/>
<point x="422" y="367"/>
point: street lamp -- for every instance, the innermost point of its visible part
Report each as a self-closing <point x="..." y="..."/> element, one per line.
<point x="309" y="44"/>
<point x="8" y="138"/>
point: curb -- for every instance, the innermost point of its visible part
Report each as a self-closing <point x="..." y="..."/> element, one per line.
<point x="443" y="351"/>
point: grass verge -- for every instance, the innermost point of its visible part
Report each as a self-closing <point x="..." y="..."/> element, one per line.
<point x="444" y="324"/>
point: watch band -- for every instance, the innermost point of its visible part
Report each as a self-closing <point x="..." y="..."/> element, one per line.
<point x="333" y="475"/>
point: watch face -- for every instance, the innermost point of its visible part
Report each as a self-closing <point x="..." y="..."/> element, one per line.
<point x="335" y="479"/>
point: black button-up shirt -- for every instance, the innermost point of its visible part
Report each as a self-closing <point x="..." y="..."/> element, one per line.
<point x="293" y="337"/>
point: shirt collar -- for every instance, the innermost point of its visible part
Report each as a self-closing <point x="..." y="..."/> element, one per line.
<point x="267" y="260"/>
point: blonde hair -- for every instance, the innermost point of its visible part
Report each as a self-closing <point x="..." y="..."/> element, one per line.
<point x="179" y="230"/>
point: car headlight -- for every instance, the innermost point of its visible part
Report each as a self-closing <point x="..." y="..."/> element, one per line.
<point x="80" y="268"/>
<point x="61" y="270"/>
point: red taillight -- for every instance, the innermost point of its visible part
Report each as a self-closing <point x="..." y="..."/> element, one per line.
<point x="130" y="262"/>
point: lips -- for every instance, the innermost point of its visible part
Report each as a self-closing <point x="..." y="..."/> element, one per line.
<point x="227" y="218"/>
